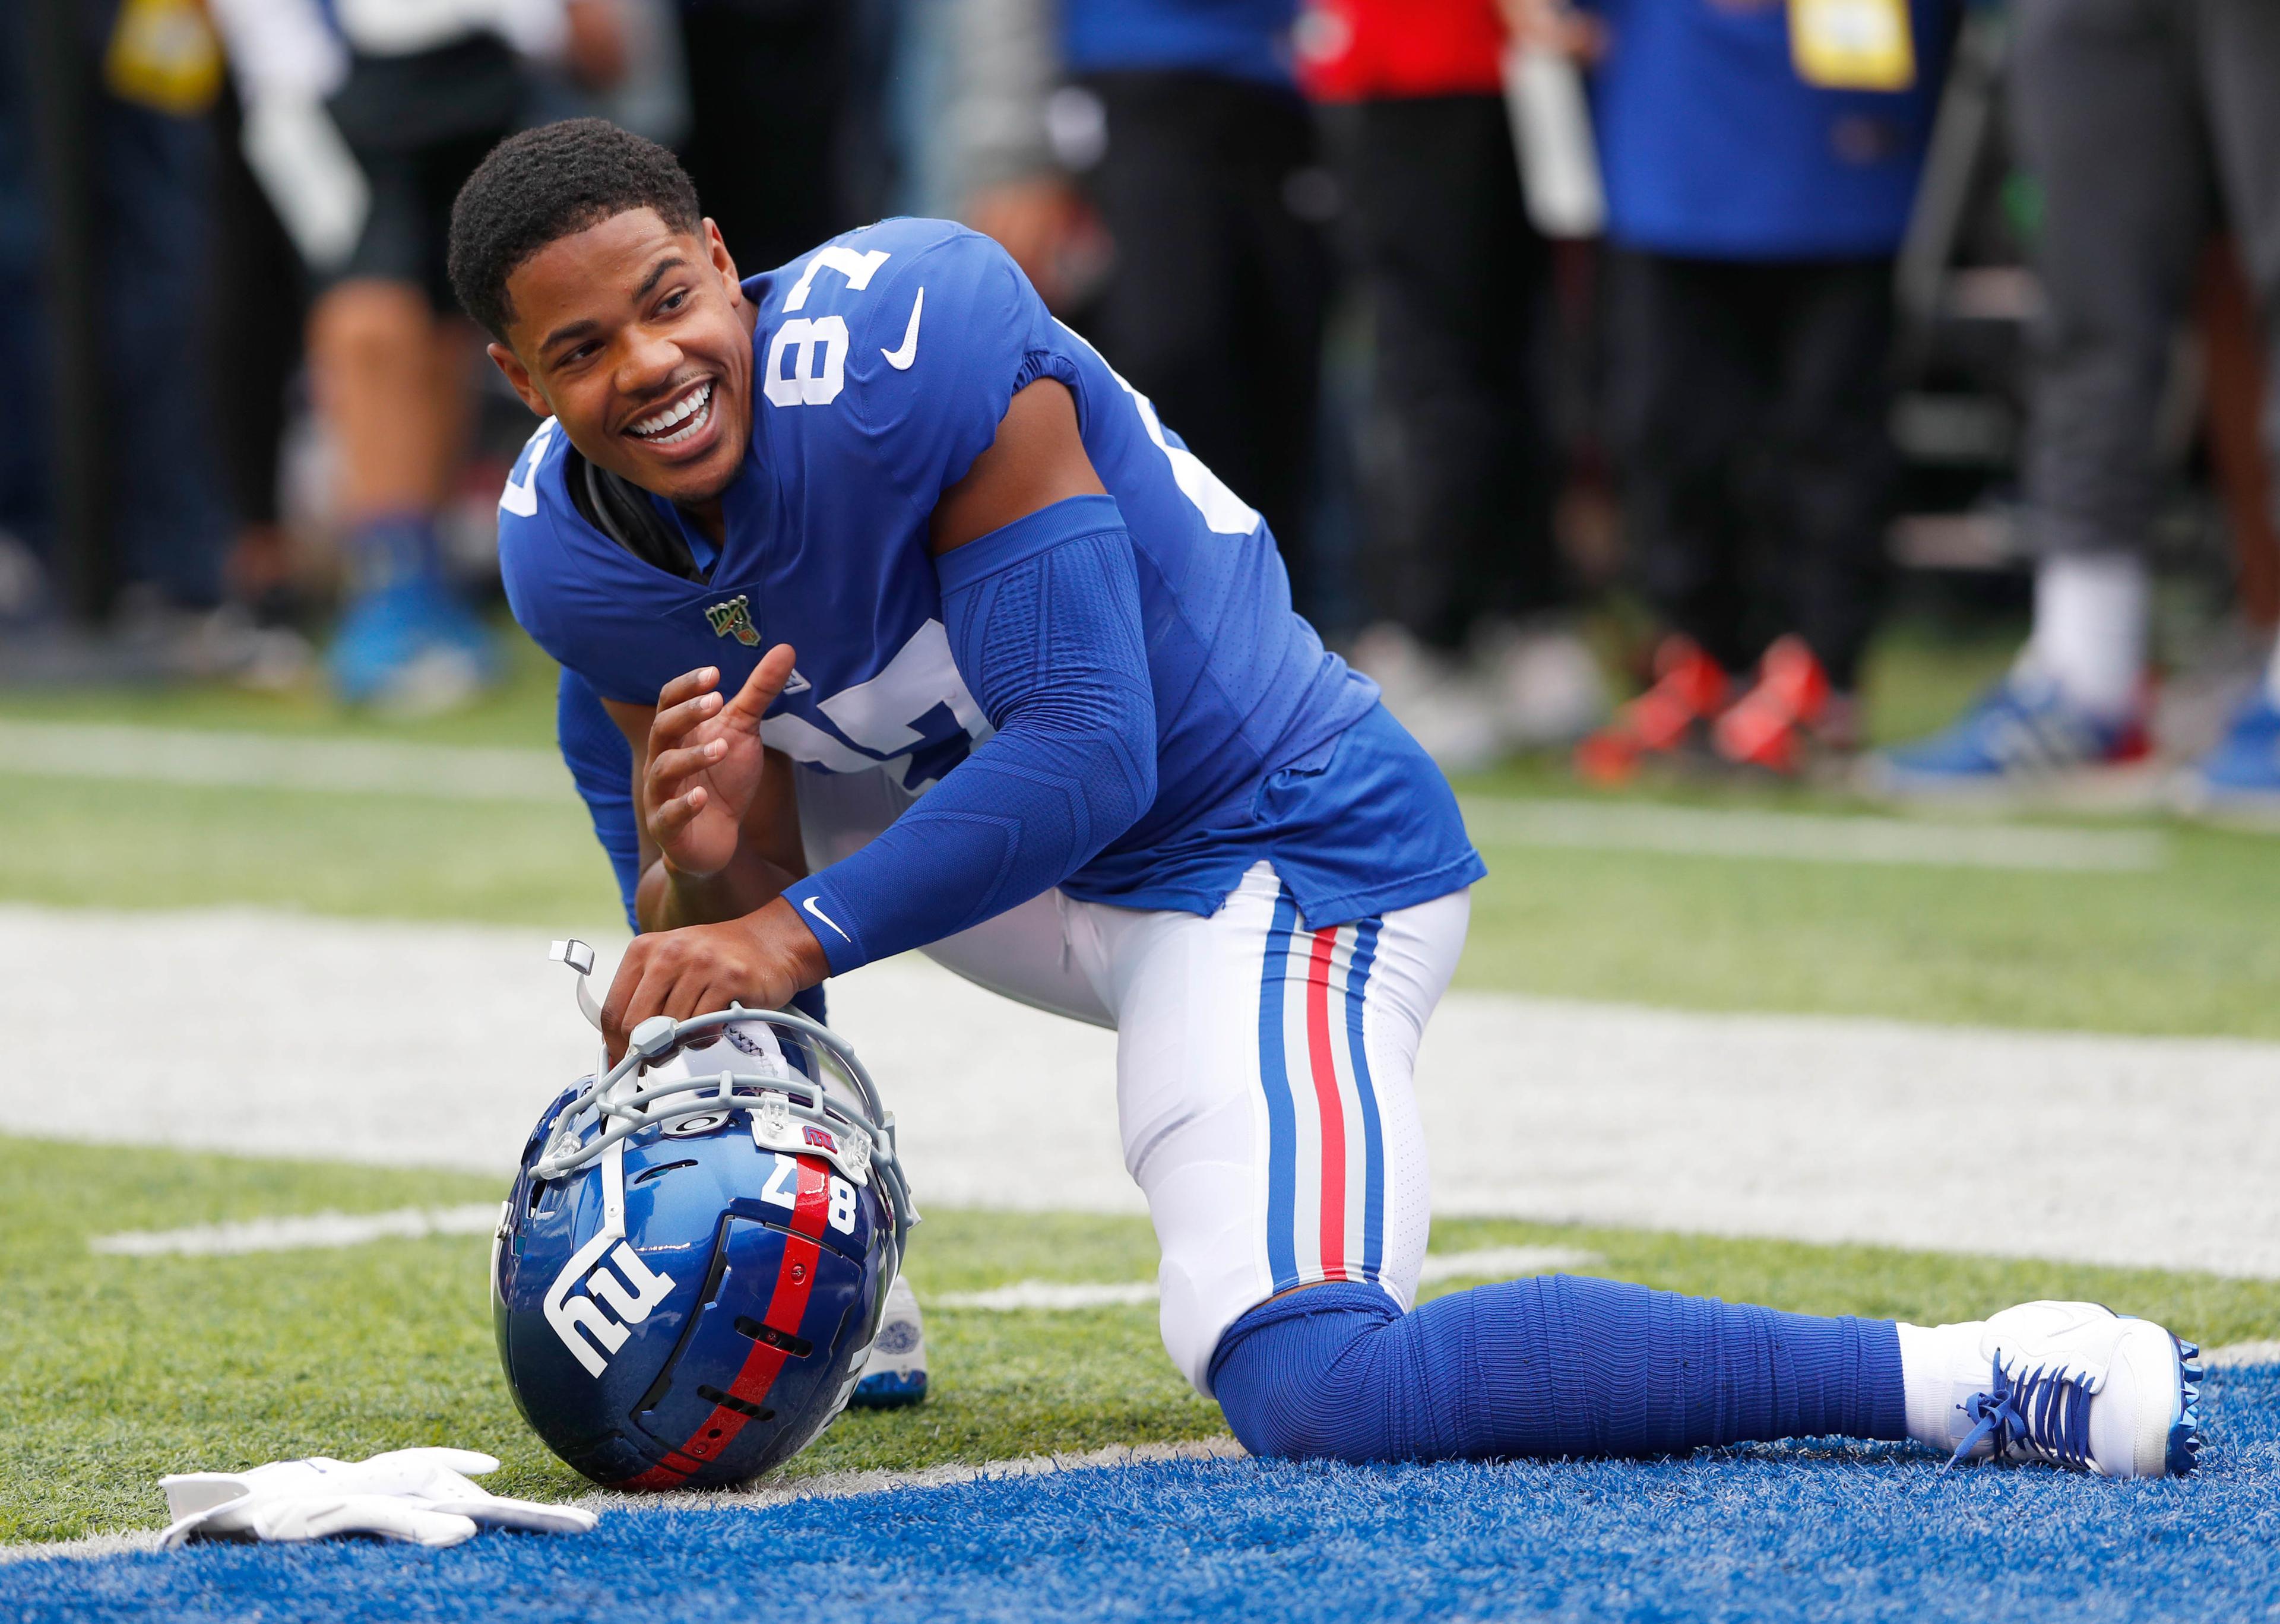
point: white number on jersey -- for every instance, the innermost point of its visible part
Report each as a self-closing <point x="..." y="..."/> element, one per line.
<point x="1224" y="512"/>
<point x="807" y="362"/>
<point x="521" y="496"/>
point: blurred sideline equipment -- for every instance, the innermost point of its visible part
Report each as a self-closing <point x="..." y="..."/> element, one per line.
<point x="695" y="1263"/>
<point x="420" y="1496"/>
<point x="1551" y="126"/>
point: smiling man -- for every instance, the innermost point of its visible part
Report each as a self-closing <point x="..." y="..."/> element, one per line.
<point x="922" y="631"/>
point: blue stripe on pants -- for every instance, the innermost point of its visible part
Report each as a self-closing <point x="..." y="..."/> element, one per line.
<point x="1281" y="1124"/>
<point x="1373" y="1211"/>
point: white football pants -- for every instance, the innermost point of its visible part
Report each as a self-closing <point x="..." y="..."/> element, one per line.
<point x="1263" y="1070"/>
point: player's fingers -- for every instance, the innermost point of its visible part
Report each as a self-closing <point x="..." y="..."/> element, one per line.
<point x="669" y="725"/>
<point x="761" y="688"/>
<point x="670" y="768"/>
<point x="649" y="997"/>
<point x="688" y="685"/>
<point x="622" y="986"/>
<point x="667" y="819"/>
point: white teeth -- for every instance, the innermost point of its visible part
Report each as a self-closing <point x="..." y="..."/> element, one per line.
<point x="686" y="410"/>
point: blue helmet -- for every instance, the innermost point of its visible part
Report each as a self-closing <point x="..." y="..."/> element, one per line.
<point x="688" y="1277"/>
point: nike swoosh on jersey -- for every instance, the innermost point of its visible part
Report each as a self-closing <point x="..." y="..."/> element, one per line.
<point x="809" y="905"/>
<point x="901" y="359"/>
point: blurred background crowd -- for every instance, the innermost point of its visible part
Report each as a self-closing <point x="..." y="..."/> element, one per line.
<point x="1611" y="376"/>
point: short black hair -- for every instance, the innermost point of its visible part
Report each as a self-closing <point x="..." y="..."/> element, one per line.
<point x="554" y="181"/>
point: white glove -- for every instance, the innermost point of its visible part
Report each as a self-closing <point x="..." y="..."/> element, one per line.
<point x="416" y="1495"/>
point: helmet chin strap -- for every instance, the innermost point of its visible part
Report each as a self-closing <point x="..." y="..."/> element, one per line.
<point x="579" y="957"/>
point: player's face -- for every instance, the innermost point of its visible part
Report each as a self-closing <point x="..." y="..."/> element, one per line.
<point x="638" y="340"/>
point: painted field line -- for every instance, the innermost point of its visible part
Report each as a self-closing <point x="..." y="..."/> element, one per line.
<point x="314" y="1231"/>
<point x="822" y="1486"/>
<point x="1548" y="1110"/>
<point x="1488" y="1263"/>
<point x="842" y="1485"/>
<point x="91" y="1548"/>
<point x="1050" y="1295"/>
<point x="272" y="761"/>
<point x="2237" y="1354"/>
<point x="1809" y="837"/>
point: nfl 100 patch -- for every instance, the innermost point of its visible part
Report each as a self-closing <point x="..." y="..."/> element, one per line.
<point x="733" y="617"/>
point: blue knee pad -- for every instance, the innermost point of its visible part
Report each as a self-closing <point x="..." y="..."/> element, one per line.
<point x="1550" y="1368"/>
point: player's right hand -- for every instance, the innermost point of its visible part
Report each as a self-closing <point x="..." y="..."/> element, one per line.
<point x="705" y="762"/>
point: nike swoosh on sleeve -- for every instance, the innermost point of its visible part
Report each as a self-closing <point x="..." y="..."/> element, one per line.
<point x="810" y="904"/>
<point x="901" y="359"/>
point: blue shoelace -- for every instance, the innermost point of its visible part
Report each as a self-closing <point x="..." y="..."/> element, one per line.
<point x="2047" y="1411"/>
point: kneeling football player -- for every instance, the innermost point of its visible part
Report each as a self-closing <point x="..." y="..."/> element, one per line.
<point x="924" y="632"/>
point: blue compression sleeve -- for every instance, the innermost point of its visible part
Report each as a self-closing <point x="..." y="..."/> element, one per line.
<point x="1550" y="1367"/>
<point x="1043" y="618"/>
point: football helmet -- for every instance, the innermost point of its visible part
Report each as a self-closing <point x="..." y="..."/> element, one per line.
<point x="696" y="1258"/>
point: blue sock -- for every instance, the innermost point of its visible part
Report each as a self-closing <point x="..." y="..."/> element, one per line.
<point x="1548" y="1366"/>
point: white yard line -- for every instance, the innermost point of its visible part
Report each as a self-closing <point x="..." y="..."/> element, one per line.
<point x="279" y="761"/>
<point x="841" y="1485"/>
<point x="1051" y="1295"/>
<point x="438" y="1045"/>
<point x="2239" y="1355"/>
<point x="1808" y="837"/>
<point x="822" y="1486"/>
<point x="314" y="1231"/>
<point x="93" y="1547"/>
<point x="1488" y="1263"/>
<point x="474" y="773"/>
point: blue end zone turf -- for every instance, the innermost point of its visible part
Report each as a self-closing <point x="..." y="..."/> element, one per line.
<point x="1834" y="1532"/>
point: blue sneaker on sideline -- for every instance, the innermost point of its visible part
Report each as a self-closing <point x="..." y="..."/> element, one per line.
<point x="411" y="648"/>
<point x="2020" y="733"/>
<point x="2243" y="773"/>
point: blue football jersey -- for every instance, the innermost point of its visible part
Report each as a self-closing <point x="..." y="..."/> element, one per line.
<point x="883" y="362"/>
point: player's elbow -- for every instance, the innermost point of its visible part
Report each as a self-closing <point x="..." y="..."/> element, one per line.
<point x="1103" y="732"/>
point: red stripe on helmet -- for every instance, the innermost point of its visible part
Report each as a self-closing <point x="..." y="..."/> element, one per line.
<point x="787" y="1306"/>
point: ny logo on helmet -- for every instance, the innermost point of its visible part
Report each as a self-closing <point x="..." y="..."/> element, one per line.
<point x="631" y="1299"/>
<point x="734" y="619"/>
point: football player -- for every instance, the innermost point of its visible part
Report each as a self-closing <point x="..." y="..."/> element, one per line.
<point x="923" y="631"/>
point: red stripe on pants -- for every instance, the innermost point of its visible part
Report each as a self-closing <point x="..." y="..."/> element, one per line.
<point x="1333" y="1109"/>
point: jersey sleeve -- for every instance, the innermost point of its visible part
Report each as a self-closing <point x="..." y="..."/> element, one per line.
<point x="942" y="340"/>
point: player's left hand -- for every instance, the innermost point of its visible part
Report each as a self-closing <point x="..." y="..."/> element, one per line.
<point x="758" y="961"/>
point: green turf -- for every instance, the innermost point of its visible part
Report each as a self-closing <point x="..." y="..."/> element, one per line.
<point x="519" y="711"/>
<point x="114" y="1370"/>
<point x="2185" y="949"/>
<point x="73" y="842"/>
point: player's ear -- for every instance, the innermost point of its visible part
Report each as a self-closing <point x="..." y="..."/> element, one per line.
<point x="722" y="262"/>
<point x="518" y="376"/>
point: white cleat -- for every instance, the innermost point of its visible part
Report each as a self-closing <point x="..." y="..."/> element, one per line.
<point x="896" y="1372"/>
<point x="2072" y="1384"/>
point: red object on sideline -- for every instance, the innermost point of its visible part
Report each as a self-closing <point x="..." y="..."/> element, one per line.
<point x="1355" y="50"/>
